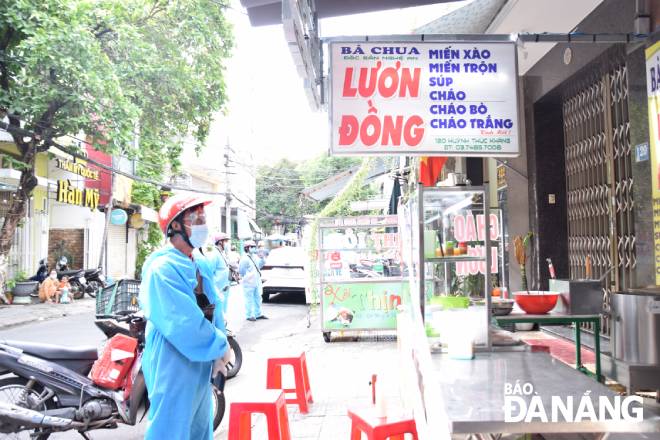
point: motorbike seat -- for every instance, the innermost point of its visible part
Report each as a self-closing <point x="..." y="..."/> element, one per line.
<point x="53" y="352"/>
<point x="69" y="273"/>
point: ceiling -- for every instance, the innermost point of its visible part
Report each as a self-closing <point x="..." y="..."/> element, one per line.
<point x="268" y="12"/>
<point x="532" y="16"/>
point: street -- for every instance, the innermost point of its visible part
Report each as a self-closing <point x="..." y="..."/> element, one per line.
<point x="283" y="311"/>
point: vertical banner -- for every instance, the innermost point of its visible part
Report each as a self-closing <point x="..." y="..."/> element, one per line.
<point x="653" y="93"/>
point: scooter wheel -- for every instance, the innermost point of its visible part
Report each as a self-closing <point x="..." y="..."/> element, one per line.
<point x="10" y="387"/>
<point x="326" y="336"/>
<point x="77" y="289"/>
<point x="238" y="358"/>
<point x="218" y="407"/>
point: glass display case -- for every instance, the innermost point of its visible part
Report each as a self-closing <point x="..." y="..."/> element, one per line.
<point x="457" y="257"/>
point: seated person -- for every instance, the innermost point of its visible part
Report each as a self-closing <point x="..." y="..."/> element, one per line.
<point x="49" y="289"/>
<point x="64" y="289"/>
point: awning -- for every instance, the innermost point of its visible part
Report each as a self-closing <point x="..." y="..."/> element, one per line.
<point x="267" y="12"/>
<point x="9" y="178"/>
<point x="246" y="227"/>
<point x="333" y="185"/>
<point x="148" y="214"/>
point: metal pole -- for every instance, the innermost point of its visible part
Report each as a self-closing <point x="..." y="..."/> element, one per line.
<point x="228" y="192"/>
<point x="104" y="242"/>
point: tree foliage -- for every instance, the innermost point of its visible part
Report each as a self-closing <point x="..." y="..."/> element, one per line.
<point x="279" y="187"/>
<point x="116" y="70"/>
<point x="278" y="195"/>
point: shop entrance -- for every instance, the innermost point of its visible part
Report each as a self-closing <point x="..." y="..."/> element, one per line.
<point x="599" y="181"/>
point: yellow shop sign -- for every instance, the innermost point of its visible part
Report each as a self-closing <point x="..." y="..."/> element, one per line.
<point x="67" y="193"/>
<point x="79" y="168"/>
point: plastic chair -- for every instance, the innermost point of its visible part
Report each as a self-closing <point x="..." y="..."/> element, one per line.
<point x="379" y="428"/>
<point x="302" y="387"/>
<point x="269" y="402"/>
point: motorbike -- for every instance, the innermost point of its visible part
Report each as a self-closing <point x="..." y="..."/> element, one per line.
<point x="95" y="281"/>
<point x="42" y="272"/>
<point x="45" y="389"/>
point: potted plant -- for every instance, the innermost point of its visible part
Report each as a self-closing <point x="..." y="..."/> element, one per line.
<point x="21" y="288"/>
<point x="457" y="298"/>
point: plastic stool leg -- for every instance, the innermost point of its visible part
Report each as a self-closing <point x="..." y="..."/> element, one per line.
<point x="284" y="423"/>
<point x="239" y="424"/>
<point x="273" y="423"/>
<point x="308" y="387"/>
<point x="245" y="430"/>
<point x="274" y="379"/>
<point x="301" y="392"/>
<point x="355" y="432"/>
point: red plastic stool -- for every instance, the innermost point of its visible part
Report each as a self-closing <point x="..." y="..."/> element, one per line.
<point x="272" y="404"/>
<point x="379" y="428"/>
<point x="302" y="389"/>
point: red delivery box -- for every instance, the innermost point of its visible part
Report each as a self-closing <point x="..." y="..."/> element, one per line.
<point x="111" y="368"/>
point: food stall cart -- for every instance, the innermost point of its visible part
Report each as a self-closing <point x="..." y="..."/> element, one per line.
<point x="360" y="274"/>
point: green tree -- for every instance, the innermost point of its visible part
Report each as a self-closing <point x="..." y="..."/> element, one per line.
<point x="279" y="188"/>
<point x="111" y="69"/>
<point x="278" y="194"/>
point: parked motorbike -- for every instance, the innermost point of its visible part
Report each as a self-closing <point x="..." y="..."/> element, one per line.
<point x="95" y="281"/>
<point x="42" y="272"/>
<point x="45" y="388"/>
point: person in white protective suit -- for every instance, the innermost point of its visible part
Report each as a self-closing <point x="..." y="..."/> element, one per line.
<point x="249" y="268"/>
<point x="185" y="342"/>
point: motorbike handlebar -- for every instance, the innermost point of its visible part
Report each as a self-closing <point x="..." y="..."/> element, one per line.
<point x="124" y="318"/>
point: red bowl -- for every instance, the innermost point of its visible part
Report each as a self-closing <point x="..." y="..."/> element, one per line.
<point x="536" y="302"/>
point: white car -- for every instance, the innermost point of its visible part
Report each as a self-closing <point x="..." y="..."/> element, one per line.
<point x="284" y="271"/>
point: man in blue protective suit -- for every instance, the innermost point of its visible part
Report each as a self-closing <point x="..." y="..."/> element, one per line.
<point x="185" y="342"/>
<point x="251" y="275"/>
<point x="220" y="268"/>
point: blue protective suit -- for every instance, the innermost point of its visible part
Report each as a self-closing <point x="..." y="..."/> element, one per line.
<point x="180" y="347"/>
<point x="251" y="275"/>
<point x="220" y="270"/>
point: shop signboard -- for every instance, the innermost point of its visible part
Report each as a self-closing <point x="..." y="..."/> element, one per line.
<point x="501" y="177"/>
<point x="653" y="93"/>
<point x="358" y="306"/>
<point x="78" y="167"/>
<point x="424" y="98"/>
<point x="71" y="194"/>
<point x="471" y="229"/>
<point x="118" y="217"/>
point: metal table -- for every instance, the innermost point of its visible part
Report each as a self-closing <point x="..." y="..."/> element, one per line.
<point x="472" y="394"/>
<point x="562" y="319"/>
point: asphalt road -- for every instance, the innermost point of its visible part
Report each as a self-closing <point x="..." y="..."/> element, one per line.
<point x="80" y="330"/>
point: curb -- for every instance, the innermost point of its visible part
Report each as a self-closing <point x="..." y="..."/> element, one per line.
<point x="32" y="318"/>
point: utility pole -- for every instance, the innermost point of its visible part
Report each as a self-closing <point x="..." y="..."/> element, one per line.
<point x="227" y="192"/>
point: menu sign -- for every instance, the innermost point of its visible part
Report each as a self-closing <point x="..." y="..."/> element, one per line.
<point x="442" y="98"/>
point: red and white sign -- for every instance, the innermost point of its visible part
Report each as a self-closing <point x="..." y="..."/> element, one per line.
<point x="424" y="98"/>
<point x="471" y="228"/>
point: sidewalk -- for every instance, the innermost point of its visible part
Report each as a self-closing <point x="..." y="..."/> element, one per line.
<point x="18" y="314"/>
<point x="340" y="372"/>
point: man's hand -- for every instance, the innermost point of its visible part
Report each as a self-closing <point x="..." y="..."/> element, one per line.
<point x="220" y="365"/>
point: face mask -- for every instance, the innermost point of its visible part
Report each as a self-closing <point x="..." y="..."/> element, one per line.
<point x="198" y="235"/>
<point x="53" y="276"/>
<point x="253" y="251"/>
